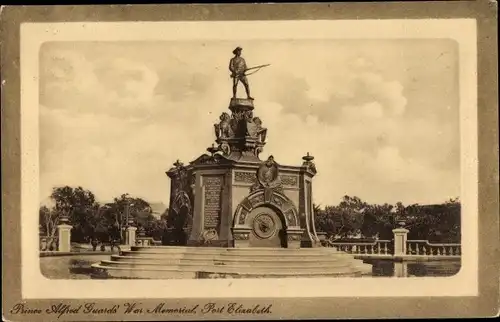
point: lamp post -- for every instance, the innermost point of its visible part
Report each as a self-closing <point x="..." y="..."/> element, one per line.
<point x="123" y="226"/>
<point x="129" y="219"/>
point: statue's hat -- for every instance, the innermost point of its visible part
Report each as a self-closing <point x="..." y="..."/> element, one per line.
<point x="237" y="49"/>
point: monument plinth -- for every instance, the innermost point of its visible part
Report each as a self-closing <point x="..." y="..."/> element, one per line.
<point x="240" y="104"/>
<point x="231" y="198"/>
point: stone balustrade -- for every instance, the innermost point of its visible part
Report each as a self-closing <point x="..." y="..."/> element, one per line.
<point x="377" y="247"/>
<point x="424" y="247"/>
<point x="47" y="243"/>
<point x="147" y="241"/>
<point x="409" y="249"/>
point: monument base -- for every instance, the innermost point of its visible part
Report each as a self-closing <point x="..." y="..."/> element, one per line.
<point x="166" y="262"/>
<point x="239" y="104"/>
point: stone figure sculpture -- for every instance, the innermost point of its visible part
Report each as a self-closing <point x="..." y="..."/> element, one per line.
<point x="269" y="172"/>
<point x="223" y="129"/>
<point x="261" y="132"/>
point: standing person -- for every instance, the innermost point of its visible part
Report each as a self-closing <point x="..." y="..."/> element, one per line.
<point x="94" y="243"/>
<point x="238" y="67"/>
<point x="115" y="237"/>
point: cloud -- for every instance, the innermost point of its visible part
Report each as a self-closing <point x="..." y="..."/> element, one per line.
<point x="95" y="86"/>
<point x="116" y="125"/>
<point x="358" y="159"/>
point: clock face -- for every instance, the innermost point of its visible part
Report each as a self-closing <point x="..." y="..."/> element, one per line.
<point x="264" y="225"/>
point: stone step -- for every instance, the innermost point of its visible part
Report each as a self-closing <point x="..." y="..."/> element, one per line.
<point x="240" y="258"/>
<point x="250" y="250"/>
<point x="252" y="255"/>
<point x="167" y="262"/>
<point x="200" y="272"/>
<point x="237" y="268"/>
<point x="327" y="262"/>
<point x="225" y="257"/>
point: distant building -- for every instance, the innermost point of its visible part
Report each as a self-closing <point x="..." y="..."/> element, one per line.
<point x="158" y="208"/>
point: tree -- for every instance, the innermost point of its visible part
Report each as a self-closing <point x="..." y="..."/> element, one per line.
<point x="379" y="220"/>
<point x="351" y="210"/>
<point x="79" y="205"/>
<point x="134" y="208"/>
<point x="342" y="220"/>
<point x="323" y="221"/>
<point x="48" y="219"/>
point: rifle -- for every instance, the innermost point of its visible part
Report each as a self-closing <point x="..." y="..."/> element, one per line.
<point x="251" y="68"/>
<point x="259" y="67"/>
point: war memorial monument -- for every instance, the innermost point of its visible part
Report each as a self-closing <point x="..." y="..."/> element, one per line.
<point x="240" y="216"/>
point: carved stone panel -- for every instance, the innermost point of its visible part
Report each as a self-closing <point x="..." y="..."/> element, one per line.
<point x="289" y="180"/>
<point x="209" y="234"/>
<point x="212" y="200"/>
<point x="257" y="199"/>
<point x="242" y="236"/>
<point x="245" y="177"/>
<point x="243" y="216"/>
<point x="278" y="201"/>
<point x="290" y="216"/>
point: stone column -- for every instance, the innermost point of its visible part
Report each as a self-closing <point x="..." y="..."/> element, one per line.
<point x="400" y="237"/>
<point x="308" y="171"/>
<point x="401" y="269"/>
<point x="130" y="237"/>
<point x="64" y="234"/>
<point x="130" y="234"/>
<point x="198" y="212"/>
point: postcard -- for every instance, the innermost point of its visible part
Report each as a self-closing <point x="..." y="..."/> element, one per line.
<point x="222" y="162"/>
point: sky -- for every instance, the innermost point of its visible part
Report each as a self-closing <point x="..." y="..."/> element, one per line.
<point x="381" y="117"/>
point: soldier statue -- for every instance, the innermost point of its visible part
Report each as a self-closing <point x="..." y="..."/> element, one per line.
<point x="238" y="67"/>
<point x="239" y="71"/>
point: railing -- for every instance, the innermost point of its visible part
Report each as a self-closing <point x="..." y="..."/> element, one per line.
<point x="146" y="241"/>
<point x="423" y="247"/>
<point x="377" y="247"/>
<point x="386" y="248"/>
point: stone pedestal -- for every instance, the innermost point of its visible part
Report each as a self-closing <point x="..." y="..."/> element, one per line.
<point x="400" y="237"/>
<point x="130" y="236"/>
<point x="401" y="269"/>
<point x="294" y="237"/>
<point x="64" y="232"/>
<point x="241" y="236"/>
<point x="237" y="104"/>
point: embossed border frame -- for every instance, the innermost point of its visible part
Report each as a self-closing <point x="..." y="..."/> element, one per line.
<point x="486" y="304"/>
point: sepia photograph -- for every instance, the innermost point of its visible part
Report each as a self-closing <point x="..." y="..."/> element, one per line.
<point x="197" y="166"/>
<point x="261" y="158"/>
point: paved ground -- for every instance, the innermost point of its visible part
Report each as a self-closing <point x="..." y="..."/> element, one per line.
<point x="69" y="267"/>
